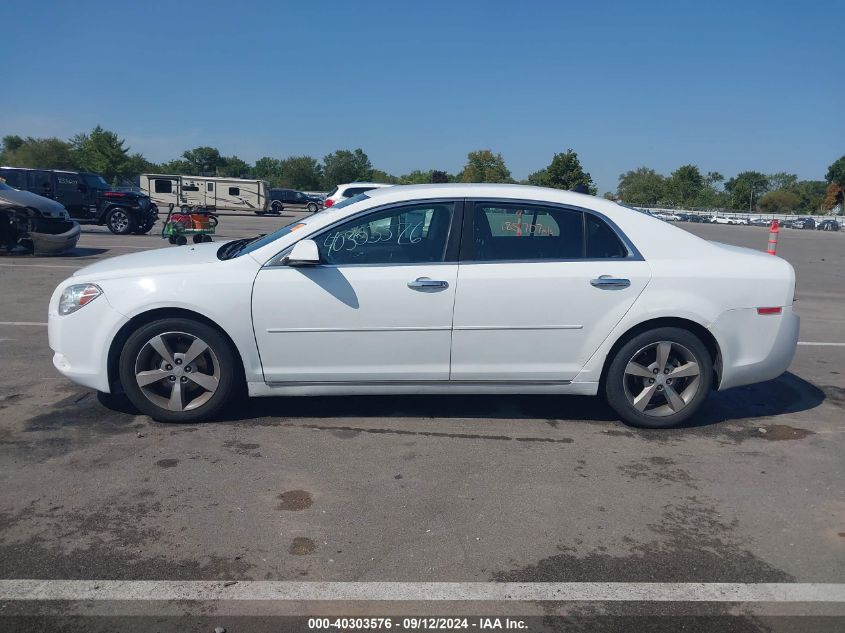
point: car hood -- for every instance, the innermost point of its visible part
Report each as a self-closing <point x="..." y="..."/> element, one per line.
<point x="48" y="207"/>
<point x="155" y="262"/>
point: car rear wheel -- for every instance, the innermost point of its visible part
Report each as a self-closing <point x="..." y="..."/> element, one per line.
<point x="660" y="378"/>
<point x="276" y="207"/>
<point x="178" y="370"/>
<point x="119" y="221"/>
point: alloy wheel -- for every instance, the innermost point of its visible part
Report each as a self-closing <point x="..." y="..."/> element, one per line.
<point x="177" y="371"/>
<point x="662" y="378"/>
<point x="119" y="221"/>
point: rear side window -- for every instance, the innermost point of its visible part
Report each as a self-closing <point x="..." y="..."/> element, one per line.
<point x="163" y="186"/>
<point x="519" y="232"/>
<point x="602" y="242"/>
<point x="67" y="182"/>
<point x="40" y="180"/>
<point x="354" y="191"/>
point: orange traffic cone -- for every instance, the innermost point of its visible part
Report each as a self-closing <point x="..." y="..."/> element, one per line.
<point x="773" y="238"/>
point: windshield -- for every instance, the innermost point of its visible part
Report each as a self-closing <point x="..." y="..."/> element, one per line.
<point x="95" y="182"/>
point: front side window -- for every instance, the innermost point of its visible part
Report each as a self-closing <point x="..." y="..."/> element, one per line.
<point x="524" y="232"/>
<point x="404" y="235"/>
<point x="163" y="186"/>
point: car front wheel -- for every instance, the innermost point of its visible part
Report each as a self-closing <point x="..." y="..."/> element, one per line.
<point x="119" y="221"/>
<point x="313" y="207"/>
<point x="660" y="378"/>
<point x="178" y="370"/>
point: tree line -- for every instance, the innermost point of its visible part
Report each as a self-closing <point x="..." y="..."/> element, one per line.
<point x="687" y="187"/>
<point x="104" y="152"/>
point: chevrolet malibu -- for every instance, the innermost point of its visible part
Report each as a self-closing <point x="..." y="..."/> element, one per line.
<point x="434" y="289"/>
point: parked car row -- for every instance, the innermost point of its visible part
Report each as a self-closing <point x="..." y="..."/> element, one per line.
<point x="87" y="197"/>
<point x="827" y="224"/>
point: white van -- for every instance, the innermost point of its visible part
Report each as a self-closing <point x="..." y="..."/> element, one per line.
<point x="222" y="194"/>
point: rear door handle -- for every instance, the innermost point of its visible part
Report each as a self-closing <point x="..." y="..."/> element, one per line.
<point x="606" y="281"/>
<point x="425" y="282"/>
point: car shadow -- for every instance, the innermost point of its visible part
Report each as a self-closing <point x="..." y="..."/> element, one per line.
<point x="784" y="395"/>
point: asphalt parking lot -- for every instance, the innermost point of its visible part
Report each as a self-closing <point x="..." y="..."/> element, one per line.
<point x="422" y="489"/>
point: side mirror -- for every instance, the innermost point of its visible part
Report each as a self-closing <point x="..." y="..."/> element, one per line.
<point x="304" y="253"/>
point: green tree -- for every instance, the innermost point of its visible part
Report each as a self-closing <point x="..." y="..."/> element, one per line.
<point x="746" y="187"/>
<point x="780" y="201"/>
<point x="811" y="194"/>
<point x="44" y="153"/>
<point x="642" y="186"/>
<point x="416" y="177"/>
<point x="836" y="172"/>
<point x="684" y="185"/>
<point x="379" y="175"/>
<point x="782" y="180"/>
<point x="485" y="166"/>
<point x="176" y="166"/>
<point x="346" y="166"/>
<point x="564" y="172"/>
<point x="302" y="172"/>
<point x="103" y="152"/>
<point x="234" y="167"/>
<point x="438" y="176"/>
<point x="203" y="161"/>
<point x="269" y="169"/>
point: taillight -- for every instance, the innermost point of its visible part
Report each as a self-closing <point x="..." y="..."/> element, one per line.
<point x="769" y="310"/>
<point x="329" y="202"/>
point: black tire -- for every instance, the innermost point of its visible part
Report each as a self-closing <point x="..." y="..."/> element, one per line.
<point x="276" y="207"/>
<point x="181" y="240"/>
<point x="178" y="331"/>
<point x="145" y="226"/>
<point x="313" y="207"/>
<point x="198" y="239"/>
<point x="620" y="384"/>
<point x="120" y="221"/>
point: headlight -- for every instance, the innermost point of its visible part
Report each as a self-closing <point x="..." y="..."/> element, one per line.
<point x="76" y="296"/>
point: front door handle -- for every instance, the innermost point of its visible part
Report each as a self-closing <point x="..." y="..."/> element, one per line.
<point x="606" y="281"/>
<point x="425" y="282"/>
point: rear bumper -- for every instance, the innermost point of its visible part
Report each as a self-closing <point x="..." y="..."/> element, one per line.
<point x="755" y="347"/>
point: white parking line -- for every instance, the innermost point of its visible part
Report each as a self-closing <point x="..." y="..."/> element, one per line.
<point x="814" y="344"/>
<point x="23" y="323"/>
<point x="199" y="590"/>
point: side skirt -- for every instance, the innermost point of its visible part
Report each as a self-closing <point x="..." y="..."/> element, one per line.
<point x="258" y="389"/>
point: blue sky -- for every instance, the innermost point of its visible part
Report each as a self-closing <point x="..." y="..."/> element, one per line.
<point x="729" y="86"/>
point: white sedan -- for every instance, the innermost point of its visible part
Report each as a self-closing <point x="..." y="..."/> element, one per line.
<point x="434" y="289"/>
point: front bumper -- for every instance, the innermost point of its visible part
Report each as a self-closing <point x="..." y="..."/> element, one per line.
<point x="80" y="341"/>
<point x="755" y="347"/>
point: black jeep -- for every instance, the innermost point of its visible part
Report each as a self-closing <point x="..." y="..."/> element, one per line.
<point x="87" y="197"/>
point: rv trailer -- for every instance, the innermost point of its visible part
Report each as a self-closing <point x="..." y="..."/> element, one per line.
<point x="222" y="194"/>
